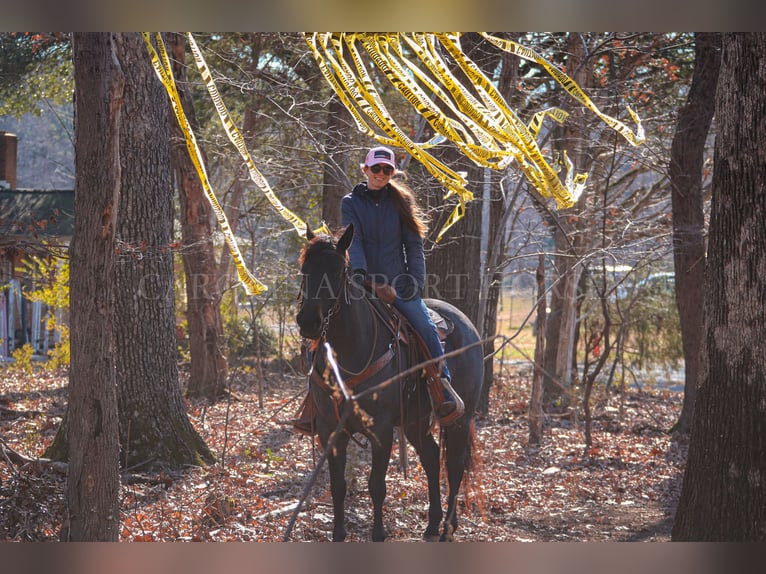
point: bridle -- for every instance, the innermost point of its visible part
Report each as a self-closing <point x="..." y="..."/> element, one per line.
<point x="343" y="290"/>
<point x="372" y="365"/>
<point x="341" y="299"/>
<point x="336" y="306"/>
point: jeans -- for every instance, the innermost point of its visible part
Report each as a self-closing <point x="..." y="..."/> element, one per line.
<point x="417" y="314"/>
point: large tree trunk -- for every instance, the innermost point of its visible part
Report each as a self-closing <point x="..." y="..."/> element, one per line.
<point x="207" y="345"/>
<point x="687" y="155"/>
<point x="93" y="482"/>
<point x="723" y="497"/>
<point x="154" y="427"/>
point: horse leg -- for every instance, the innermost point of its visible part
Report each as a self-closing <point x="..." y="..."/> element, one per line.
<point x="376" y="484"/>
<point x="336" y="462"/>
<point x="457" y="441"/>
<point x="428" y="451"/>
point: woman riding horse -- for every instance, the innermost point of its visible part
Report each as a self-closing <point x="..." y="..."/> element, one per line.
<point x="388" y="248"/>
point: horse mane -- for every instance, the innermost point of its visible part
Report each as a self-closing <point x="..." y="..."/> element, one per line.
<point x="321" y="242"/>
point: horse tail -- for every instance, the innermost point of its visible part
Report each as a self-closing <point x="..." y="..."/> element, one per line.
<point x="474" y="491"/>
<point x="471" y="483"/>
<point x="472" y="459"/>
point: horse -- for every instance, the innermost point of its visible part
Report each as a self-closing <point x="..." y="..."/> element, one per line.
<point x="336" y="310"/>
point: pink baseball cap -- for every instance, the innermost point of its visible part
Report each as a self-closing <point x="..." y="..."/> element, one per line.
<point x="380" y="155"/>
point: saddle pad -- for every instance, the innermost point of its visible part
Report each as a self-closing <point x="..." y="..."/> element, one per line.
<point x="443" y="325"/>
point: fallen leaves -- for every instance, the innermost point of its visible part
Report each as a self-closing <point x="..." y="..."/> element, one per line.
<point x="624" y="487"/>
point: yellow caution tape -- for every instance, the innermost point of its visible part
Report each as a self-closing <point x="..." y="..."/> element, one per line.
<point x="572" y="88"/>
<point x="360" y="94"/>
<point x="483" y="127"/>
<point x="235" y="136"/>
<point x="164" y="71"/>
<point x="537" y="169"/>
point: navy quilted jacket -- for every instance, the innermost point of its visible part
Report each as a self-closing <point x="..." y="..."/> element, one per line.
<point x="382" y="245"/>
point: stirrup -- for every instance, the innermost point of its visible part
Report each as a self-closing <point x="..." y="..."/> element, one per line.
<point x="448" y="412"/>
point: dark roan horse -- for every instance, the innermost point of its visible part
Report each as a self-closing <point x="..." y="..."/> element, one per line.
<point x="337" y="311"/>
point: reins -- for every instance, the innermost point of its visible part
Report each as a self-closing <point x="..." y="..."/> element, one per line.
<point x="371" y="365"/>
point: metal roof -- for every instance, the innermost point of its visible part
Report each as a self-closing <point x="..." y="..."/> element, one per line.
<point x="36" y="214"/>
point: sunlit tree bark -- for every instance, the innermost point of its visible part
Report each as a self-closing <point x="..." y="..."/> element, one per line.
<point x="155" y="429"/>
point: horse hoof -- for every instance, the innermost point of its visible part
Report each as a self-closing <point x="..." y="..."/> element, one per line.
<point x="339" y="536"/>
<point x="448" y="535"/>
<point x="431" y="537"/>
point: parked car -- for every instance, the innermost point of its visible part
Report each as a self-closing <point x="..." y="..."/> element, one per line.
<point x="659" y="283"/>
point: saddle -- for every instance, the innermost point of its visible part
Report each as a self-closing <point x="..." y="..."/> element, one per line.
<point x="382" y="301"/>
<point x="386" y="293"/>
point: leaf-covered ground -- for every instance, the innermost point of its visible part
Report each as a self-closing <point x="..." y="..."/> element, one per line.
<point x="624" y="488"/>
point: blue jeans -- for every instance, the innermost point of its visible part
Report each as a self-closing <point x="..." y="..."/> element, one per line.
<point x="417" y="314"/>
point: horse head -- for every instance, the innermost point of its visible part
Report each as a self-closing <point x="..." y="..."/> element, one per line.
<point x="323" y="263"/>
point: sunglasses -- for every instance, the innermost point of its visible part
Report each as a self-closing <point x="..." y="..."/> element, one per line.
<point x="387" y="169"/>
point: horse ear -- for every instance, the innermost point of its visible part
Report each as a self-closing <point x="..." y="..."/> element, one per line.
<point x="345" y="239"/>
<point x="309" y="234"/>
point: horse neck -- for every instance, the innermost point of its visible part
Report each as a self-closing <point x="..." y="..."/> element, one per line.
<point x="353" y="331"/>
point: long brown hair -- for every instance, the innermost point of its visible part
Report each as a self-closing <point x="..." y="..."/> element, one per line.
<point x="407" y="207"/>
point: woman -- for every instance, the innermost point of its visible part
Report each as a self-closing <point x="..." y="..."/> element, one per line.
<point x="388" y="248"/>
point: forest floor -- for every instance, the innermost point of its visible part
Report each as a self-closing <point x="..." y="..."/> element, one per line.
<point x="624" y="487"/>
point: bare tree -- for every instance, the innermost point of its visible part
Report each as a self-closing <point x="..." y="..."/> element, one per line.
<point x="569" y="241"/>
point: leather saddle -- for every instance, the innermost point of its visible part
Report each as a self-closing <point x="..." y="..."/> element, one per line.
<point x="386" y="293"/>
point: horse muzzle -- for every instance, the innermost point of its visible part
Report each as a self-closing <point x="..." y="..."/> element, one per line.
<point x="309" y="325"/>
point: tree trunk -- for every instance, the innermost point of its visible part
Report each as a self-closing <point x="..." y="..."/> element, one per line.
<point x="496" y="245"/>
<point x="560" y="336"/>
<point x="93" y="482"/>
<point x="155" y="430"/>
<point x="453" y="264"/>
<point x="536" y="400"/>
<point x="723" y="496"/>
<point x="207" y="345"/>
<point x="687" y="155"/>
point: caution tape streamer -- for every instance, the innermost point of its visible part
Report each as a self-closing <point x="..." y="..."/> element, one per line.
<point x="359" y="94"/>
<point x="235" y="136"/>
<point x="636" y="138"/>
<point x="482" y="126"/>
<point x="162" y="67"/>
